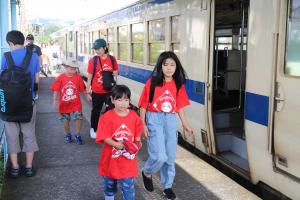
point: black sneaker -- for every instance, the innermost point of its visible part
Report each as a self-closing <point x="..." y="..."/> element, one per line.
<point x="14" y="173"/>
<point x="147" y="182"/>
<point x="29" y="172"/>
<point x="169" y="193"/>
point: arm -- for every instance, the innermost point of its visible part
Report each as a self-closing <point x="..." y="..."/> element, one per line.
<point x="184" y="121"/>
<point x="88" y="87"/>
<point x="117" y="145"/>
<point x="55" y="94"/>
<point x="143" y="118"/>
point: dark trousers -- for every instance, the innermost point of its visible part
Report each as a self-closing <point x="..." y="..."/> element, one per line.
<point x="98" y="101"/>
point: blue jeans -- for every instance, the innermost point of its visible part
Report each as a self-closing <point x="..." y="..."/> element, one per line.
<point x="162" y="144"/>
<point x="127" y="187"/>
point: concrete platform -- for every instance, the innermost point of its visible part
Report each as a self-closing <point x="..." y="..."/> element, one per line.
<point x="69" y="171"/>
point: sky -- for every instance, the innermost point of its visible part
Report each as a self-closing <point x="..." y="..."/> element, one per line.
<point x="72" y="9"/>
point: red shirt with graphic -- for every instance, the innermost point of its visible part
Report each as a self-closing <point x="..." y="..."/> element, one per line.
<point x="69" y="89"/>
<point x="165" y="98"/>
<point x="114" y="163"/>
<point x="97" y="84"/>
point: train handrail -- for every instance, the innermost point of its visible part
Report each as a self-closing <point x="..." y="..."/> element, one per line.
<point x="3" y="145"/>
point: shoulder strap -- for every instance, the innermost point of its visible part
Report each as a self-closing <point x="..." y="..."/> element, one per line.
<point x="26" y="60"/>
<point x="95" y="66"/>
<point x="152" y="89"/>
<point x="112" y="60"/>
<point x="9" y="60"/>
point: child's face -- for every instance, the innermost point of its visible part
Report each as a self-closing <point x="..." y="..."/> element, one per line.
<point x="122" y="104"/>
<point x="100" y="51"/>
<point x="70" y="70"/>
<point x="169" y="68"/>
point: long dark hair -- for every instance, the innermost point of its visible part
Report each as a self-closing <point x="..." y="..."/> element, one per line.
<point x="157" y="74"/>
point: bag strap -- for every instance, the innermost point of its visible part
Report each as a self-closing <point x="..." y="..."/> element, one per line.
<point x="9" y="60"/>
<point x="26" y="60"/>
<point x="95" y="65"/>
<point x="112" y="60"/>
<point x="152" y="90"/>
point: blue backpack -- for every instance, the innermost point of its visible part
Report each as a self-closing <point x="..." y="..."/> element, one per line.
<point x="16" y="91"/>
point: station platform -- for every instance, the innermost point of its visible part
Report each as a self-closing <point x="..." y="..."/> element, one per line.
<point x="69" y="171"/>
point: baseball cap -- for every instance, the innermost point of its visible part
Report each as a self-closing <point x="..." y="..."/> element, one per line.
<point x="99" y="43"/>
<point x="132" y="147"/>
<point x="70" y="63"/>
<point x="29" y="37"/>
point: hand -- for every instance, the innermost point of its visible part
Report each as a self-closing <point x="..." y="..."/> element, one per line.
<point x="54" y="103"/>
<point x="189" y="129"/>
<point x="88" y="97"/>
<point x="119" y="145"/>
<point x="145" y="131"/>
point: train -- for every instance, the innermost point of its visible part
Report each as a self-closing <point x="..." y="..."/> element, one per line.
<point x="243" y="66"/>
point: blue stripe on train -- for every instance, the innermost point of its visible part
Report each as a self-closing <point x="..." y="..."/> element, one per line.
<point x="257" y="108"/>
<point x="195" y="89"/>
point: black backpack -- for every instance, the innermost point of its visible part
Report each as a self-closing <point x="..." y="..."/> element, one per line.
<point x="107" y="76"/>
<point x="16" y="91"/>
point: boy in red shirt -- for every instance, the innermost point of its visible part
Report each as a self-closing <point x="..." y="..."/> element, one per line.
<point x="116" y="128"/>
<point x="68" y="87"/>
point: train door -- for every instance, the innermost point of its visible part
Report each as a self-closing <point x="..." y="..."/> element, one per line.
<point x="227" y="81"/>
<point x="286" y="138"/>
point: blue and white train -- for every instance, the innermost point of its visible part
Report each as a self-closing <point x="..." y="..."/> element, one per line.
<point x="243" y="63"/>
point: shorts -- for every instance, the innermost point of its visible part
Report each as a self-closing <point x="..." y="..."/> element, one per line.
<point x="12" y="132"/>
<point x="66" y="117"/>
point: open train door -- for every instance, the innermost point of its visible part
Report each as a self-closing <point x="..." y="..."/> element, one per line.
<point x="286" y="121"/>
<point x="226" y="85"/>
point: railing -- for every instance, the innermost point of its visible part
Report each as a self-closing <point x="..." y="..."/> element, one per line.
<point x="3" y="150"/>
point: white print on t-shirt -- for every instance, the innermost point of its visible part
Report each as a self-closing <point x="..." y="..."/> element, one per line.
<point x="123" y="133"/>
<point x="165" y="102"/>
<point x="69" y="91"/>
<point x="106" y="67"/>
<point x="100" y="79"/>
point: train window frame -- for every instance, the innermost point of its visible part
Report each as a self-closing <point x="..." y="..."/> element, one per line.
<point x="122" y="43"/>
<point x="70" y="36"/>
<point x="292" y="38"/>
<point x="86" y="40"/>
<point x="152" y="58"/>
<point x="137" y="42"/>
<point x="111" y="40"/>
<point x="175" y="41"/>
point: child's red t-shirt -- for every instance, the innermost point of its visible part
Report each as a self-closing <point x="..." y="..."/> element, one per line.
<point x="114" y="163"/>
<point x="69" y="89"/>
<point x="165" y="98"/>
<point x="97" y="84"/>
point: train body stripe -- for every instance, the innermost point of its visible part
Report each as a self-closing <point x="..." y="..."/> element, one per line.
<point x="195" y="89"/>
<point x="257" y="108"/>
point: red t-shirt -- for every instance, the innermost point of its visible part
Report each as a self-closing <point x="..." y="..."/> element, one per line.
<point x="97" y="84"/>
<point x="114" y="163"/>
<point x="165" y="98"/>
<point x="69" y="89"/>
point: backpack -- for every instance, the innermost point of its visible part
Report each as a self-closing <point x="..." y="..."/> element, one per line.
<point x="16" y="91"/>
<point x="107" y="76"/>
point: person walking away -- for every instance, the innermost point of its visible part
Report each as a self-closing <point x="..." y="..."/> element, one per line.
<point x="15" y="40"/>
<point x="35" y="49"/>
<point x="100" y="63"/>
<point x="119" y="129"/>
<point x="163" y="96"/>
<point x="45" y="60"/>
<point x="67" y="87"/>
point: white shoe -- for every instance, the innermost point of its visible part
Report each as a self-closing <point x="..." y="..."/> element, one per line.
<point x="92" y="133"/>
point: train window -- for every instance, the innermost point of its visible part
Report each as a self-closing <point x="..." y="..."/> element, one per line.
<point x="223" y="43"/>
<point x="111" y="40"/>
<point x="103" y="34"/>
<point x="81" y="43"/>
<point x="156" y="39"/>
<point x="70" y="36"/>
<point x="122" y="42"/>
<point x="137" y="39"/>
<point x="90" y="42"/>
<point x="86" y="40"/>
<point x="95" y="35"/>
<point x="292" y="58"/>
<point x="175" y="34"/>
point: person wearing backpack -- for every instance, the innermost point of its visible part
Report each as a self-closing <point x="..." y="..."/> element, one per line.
<point x="19" y="112"/>
<point x="102" y="73"/>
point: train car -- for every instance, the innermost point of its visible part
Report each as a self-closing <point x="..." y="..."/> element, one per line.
<point x="241" y="57"/>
